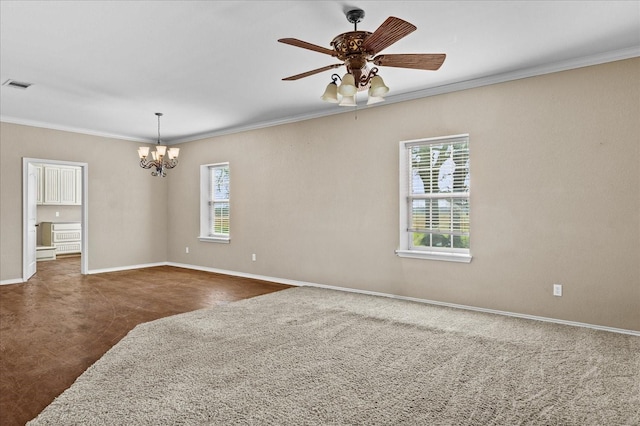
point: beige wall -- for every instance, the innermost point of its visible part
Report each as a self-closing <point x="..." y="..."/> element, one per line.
<point x="127" y="206"/>
<point x="555" y="198"/>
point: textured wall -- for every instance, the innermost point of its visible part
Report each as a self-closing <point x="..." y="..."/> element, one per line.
<point x="555" y="198"/>
<point x="127" y="206"/>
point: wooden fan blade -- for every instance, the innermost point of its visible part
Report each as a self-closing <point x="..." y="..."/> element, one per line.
<point x="305" y="45"/>
<point x="312" y="72"/>
<point x="391" y="30"/>
<point x="420" y="61"/>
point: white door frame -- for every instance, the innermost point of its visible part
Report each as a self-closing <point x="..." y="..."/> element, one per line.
<point x="84" y="259"/>
<point x="31" y="252"/>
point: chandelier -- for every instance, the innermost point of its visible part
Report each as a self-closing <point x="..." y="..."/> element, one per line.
<point x="161" y="159"/>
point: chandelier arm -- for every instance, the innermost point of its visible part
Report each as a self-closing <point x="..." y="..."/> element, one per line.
<point x="147" y="164"/>
<point x="170" y="164"/>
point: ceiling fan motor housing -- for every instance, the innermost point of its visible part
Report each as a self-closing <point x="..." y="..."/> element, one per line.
<point x="351" y="43"/>
<point x="349" y="48"/>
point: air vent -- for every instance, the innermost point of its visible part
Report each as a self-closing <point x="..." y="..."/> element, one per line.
<point x="16" y="84"/>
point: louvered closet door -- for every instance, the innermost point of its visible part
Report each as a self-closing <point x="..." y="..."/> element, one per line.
<point x="51" y="185"/>
<point x="67" y="185"/>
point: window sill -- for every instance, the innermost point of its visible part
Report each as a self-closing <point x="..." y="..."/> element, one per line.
<point x="223" y="240"/>
<point x="430" y="255"/>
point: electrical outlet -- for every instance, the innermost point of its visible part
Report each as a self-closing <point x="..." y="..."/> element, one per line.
<point x="57" y="214"/>
<point x="253" y="257"/>
<point x="557" y="289"/>
<point x="186" y="250"/>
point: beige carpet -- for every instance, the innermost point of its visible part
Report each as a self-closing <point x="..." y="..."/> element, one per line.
<point x="308" y="356"/>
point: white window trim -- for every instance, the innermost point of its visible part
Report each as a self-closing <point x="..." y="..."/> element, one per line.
<point x="434" y="255"/>
<point x="224" y="240"/>
<point x="204" y="206"/>
<point x="404" y="248"/>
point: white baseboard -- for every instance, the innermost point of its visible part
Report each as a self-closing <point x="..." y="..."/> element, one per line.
<point x="15" y="281"/>
<point x="412" y="299"/>
<point x="126" y="268"/>
<point x="245" y="275"/>
<point x="351" y="290"/>
<point x="100" y="271"/>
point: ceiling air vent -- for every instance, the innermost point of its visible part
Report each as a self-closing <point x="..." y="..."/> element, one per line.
<point x="16" y="84"/>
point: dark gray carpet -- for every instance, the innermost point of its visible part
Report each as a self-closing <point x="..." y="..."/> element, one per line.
<point x="309" y="356"/>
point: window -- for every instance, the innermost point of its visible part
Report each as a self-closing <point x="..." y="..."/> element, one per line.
<point x="214" y="202"/>
<point x="434" y="199"/>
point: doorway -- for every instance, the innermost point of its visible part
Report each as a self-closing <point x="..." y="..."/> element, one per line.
<point x="29" y="211"/>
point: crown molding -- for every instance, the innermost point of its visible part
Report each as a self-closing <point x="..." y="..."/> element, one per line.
<point x="570" y="64"/>
<point x="45" y="125"/>
<point x="574" y="63"/>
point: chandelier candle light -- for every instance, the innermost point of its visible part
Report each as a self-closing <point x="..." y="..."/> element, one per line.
<point x="161" y="158"/>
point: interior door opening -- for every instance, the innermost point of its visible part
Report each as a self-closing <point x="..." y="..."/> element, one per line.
<point x="55" y="206"/>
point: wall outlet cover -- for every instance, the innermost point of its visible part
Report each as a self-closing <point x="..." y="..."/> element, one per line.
<point x="557" y="289"/>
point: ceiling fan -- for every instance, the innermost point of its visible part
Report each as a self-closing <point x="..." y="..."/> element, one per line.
<point x="356" y="49"/>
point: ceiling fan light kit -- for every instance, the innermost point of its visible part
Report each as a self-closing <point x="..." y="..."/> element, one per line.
<point x="356" y="49"/>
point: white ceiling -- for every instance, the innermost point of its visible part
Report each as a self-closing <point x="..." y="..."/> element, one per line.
<point x="215" y="67"/>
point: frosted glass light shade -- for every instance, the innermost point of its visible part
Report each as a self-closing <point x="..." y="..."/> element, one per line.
<point x="348" y="101"/>
<point x="161" y="150"/>
<point x="173" y="153"/>
<point x="330" y="93"/>
<point x="348" y="86"/>
<point x="377" y="88"/>
<point x="374" y="100"/>
<point x="143" y="151"/>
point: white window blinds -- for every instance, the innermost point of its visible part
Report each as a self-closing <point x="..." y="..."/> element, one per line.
<point x="435" y="194"/>
<point x="219" y="200"/>
<point x="215" y="193"/>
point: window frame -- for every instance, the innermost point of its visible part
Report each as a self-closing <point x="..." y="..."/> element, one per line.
<point x="206" y="198"/>
<point x="406" y="247"/>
